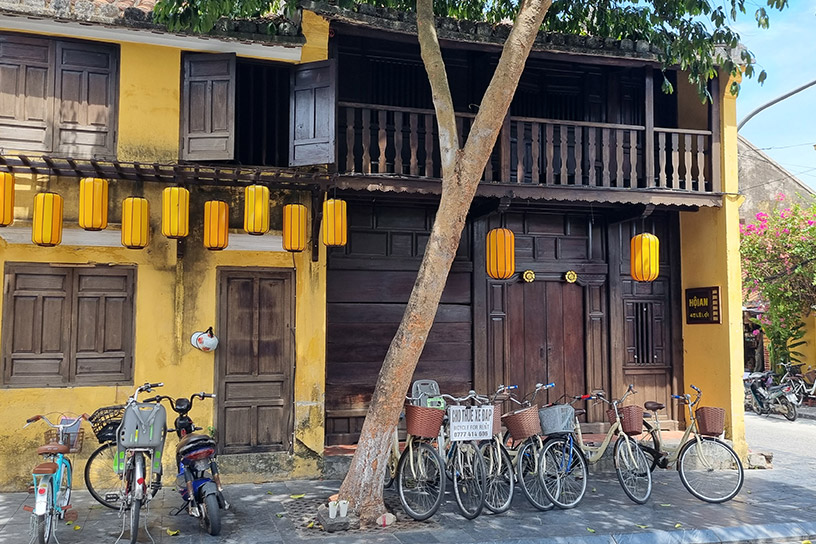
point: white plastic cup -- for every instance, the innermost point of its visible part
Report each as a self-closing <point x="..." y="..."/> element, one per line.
<point x="343" y="508"/>
<point x="332" y="509"/>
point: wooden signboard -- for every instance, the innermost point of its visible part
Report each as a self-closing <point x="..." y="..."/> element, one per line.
<point x="702" y="305"/>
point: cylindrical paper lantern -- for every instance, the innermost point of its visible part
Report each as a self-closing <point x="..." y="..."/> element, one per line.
<point x="6" y="199"/>
<point x="256" y="209"/>
<point x="47" y="227"/>
<point x="216" y="224"/>
<point x="175" y="212"/>
<point x="294" y="227"/>
<point x="93" y="203"/>
<point x="135" y="222"/>
<point x="501" y="254"/>
<point x="335" y="229"/>
<point x="645" y="257"/>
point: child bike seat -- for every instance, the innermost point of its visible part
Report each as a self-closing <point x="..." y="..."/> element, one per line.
<point x="422" y="390"/>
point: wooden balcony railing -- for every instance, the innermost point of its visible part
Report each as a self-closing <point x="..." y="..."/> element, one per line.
<point x="384" y="140"/>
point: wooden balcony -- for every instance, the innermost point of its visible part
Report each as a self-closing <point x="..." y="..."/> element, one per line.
<point x="383" y="141"/>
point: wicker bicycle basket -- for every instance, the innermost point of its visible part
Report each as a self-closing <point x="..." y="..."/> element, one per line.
<point x="497" y="418"/>
<point x="72" y="440"/>
<point x="423" y="421"/>
<point x="105" y="421"/>
<point x="557" y="419"/>
<point x="810" y="376"/>
<point x="631" y="419"/>
<point x="710" y="420"/>
<point x="522" y="423"/>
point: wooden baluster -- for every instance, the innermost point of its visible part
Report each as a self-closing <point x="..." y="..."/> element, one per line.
<point x="675" y="143"/>
<point x="520" y="149"/>
<point x="591" y="155"/>
<point x="579" y="156"/>
<point x="661" y="156"/>
<point x="701" y="181"/>
<point x="619" y="158"/>
<point x="414" y="167"/>
<point x="350" y="140"/>
<point x="687" y="161"/>
<point x="381" y="121"/>
<point x="550" y="177"/>
<point x="398" y="142"/>
<point x="605" y="135"/>
<point x="563" y="132"/>
<point x="535" y="136"/>
<point x="366" y="141"/>
<point x="633" y="159"/>
<point x="429" y="145"/>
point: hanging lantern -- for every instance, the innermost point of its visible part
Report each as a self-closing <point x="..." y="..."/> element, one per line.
<point x="294" y="227"/>
<point x="501" y="254"/>
<point x="6" y="199"/>
<point x="645" y="257"/>
<point x="93" y="203"/>
<point x="135" y="222"/>
<point x="175" y="212"/>
<point x="334" y="222"/>
<point x="216" y="224"/>
<point x="47" y="227"/>
<point x="256" y="209"/>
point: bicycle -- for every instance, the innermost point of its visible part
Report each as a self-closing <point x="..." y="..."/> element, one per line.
<point x="459" y="448"/>
<point x="53" y="477"/>
<point x="101" y="478"/>
<point x="709" y="468"/>
<point x="631" y="466"/>
<point x="501" y="474"/>
<point x="562" y="465"/>
<point x="793" y="377"/>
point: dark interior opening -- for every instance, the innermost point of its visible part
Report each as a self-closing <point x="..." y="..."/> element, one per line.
<point x="262" y="114"/>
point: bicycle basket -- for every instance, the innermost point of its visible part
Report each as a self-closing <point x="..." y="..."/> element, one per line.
<point x="423" y="421"/>
<point x="497" y="415"/>
<point x="105" y="421"/>
<point x="631" y="419"/>
<point x="73" y="438"/>
<point x="710" y="420"/>
<point x="810" y="376"/>
<point x="522" y="423"/>
<point x="558" y="418"/>
<point x="143" y="426"/>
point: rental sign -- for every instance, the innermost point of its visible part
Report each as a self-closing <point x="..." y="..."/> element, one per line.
<point x="470" y="422"/>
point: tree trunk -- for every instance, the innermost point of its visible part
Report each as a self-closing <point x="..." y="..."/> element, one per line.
<point x="461" y="172"/>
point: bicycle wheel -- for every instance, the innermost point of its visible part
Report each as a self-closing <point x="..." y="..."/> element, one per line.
<point x="632" y="469"/>
<point x="101" y="479"/>
<point x="135" y="508"/>
<point x="390" y="471"/>
<point x="527" y="472"/>
<point x="469" y="479"/>
<point x="420" y="481"/>
<point x="500" y="477"/>
<point x="563" y="472"/>
<point x="43" y="525"/>
<point x="650" y="444"/>
<point x="710" y="470"/>
<point x="64" y="493"/>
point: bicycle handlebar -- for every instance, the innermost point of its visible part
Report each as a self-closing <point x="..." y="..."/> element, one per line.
<point x="68" y="421"/>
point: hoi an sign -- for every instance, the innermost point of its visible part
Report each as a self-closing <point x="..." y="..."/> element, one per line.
<point x="702" y="305"/>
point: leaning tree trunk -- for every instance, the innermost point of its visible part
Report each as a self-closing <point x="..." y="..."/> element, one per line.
<point x="461" y="171"/>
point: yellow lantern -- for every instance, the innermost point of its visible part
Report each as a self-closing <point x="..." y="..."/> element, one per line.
<point x="175" y="212"/>
<point x="216" y="224"/>
<point x="335" y="229"/>
<point x="501" y="254"/>
<point x="93" y="203"/>
<point x="6" y="199"/>
<point x="645" y="257"/>
<point x="47" y="228"/>
<point x="294" y="227"/>
<point x="256" y="209"/>
<point x="135" y="222"/>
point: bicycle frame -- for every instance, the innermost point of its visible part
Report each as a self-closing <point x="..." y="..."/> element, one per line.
<point x="594" y="453"/>
<point x="41" y="486"/>
<point x="673" y="453"/>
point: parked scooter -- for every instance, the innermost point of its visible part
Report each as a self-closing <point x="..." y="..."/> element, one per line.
<point x="765" y="398"/>
<point x="198" y="480"/>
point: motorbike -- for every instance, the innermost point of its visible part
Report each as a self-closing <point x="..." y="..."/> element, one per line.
<point x="763" y="397"/>
<point x="198" y="480"/>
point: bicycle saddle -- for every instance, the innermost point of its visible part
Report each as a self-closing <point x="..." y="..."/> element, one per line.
<point x="654" y="406"/>
<point x="49" y="449"/>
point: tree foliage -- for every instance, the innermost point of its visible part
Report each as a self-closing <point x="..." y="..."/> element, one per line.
<point x="696" y="35"/>
<point x="779" y="273"/>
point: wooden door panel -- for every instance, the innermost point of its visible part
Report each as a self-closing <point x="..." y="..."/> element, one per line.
<point x="273" y="357"/>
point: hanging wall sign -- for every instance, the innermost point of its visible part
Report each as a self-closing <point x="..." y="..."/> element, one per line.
<point x="702" y="305"/>
<point x="471" y="422"/>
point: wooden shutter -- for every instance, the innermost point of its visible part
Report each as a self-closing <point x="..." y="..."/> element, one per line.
<point x="103" y="325"/>
<point x="36" y="325"/>
<point x="312" y="106"/>
<point x="26" y="93"/>
<point x="86" y="77"/>
<point x="208" y="107"/>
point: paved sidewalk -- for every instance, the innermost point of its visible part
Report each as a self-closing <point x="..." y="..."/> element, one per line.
<point x="774" y="506"/>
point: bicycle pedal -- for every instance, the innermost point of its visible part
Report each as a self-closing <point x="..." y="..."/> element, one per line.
<point x="111" y="496"/>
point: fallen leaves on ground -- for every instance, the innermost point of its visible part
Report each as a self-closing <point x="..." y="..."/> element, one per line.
<point x="300" y="496"/>
<point x="173" y="532"/>
<point x="678" y="525"/>
<point x="641" y="526"/>
<point x="590" y="530"/>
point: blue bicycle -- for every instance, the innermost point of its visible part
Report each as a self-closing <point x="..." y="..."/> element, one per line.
<point x="52" y="478"/>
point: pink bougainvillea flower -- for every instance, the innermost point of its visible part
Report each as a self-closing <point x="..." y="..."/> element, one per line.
<point x="780" y="197"/>
<point x="755" y="332"/>
<point x="761" y="216"/>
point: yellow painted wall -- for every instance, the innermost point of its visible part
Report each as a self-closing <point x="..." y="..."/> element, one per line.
<point x="808" y="350"/>
<point x="316" y="31"/>
<point x="713" y="354"/>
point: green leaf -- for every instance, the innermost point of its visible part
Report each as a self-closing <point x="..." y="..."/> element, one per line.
<point x="590" y="530"/>
<point x="300" y="496"/>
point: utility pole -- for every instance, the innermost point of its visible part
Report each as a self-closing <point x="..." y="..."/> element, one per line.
<point x="774" y="101"/>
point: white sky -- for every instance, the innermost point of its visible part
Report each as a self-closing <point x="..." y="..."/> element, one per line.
<point x="787" y="51"/>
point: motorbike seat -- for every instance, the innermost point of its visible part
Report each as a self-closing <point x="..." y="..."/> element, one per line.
<point x="194" y="441"/>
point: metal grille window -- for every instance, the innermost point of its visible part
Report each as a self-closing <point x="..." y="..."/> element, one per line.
<point x="644" y="333"/>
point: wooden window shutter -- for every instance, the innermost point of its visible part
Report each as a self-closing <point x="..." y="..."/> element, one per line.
<point x="312" y="107"/>
<point x="103" y="326"/>
<point x="86" y="89"/>
<point x="208" y="107"/>
<point x="26" y="93"/>
<point x="36" y="325"/>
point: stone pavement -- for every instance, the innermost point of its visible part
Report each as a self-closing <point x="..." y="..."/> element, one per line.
<point x="774" y="506"/>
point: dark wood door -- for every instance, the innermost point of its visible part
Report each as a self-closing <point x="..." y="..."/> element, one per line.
<point x="255" y="360"/>
<point x="537" y="335"/>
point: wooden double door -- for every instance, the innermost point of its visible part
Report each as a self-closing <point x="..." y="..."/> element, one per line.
<point x="255" y="360"/>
